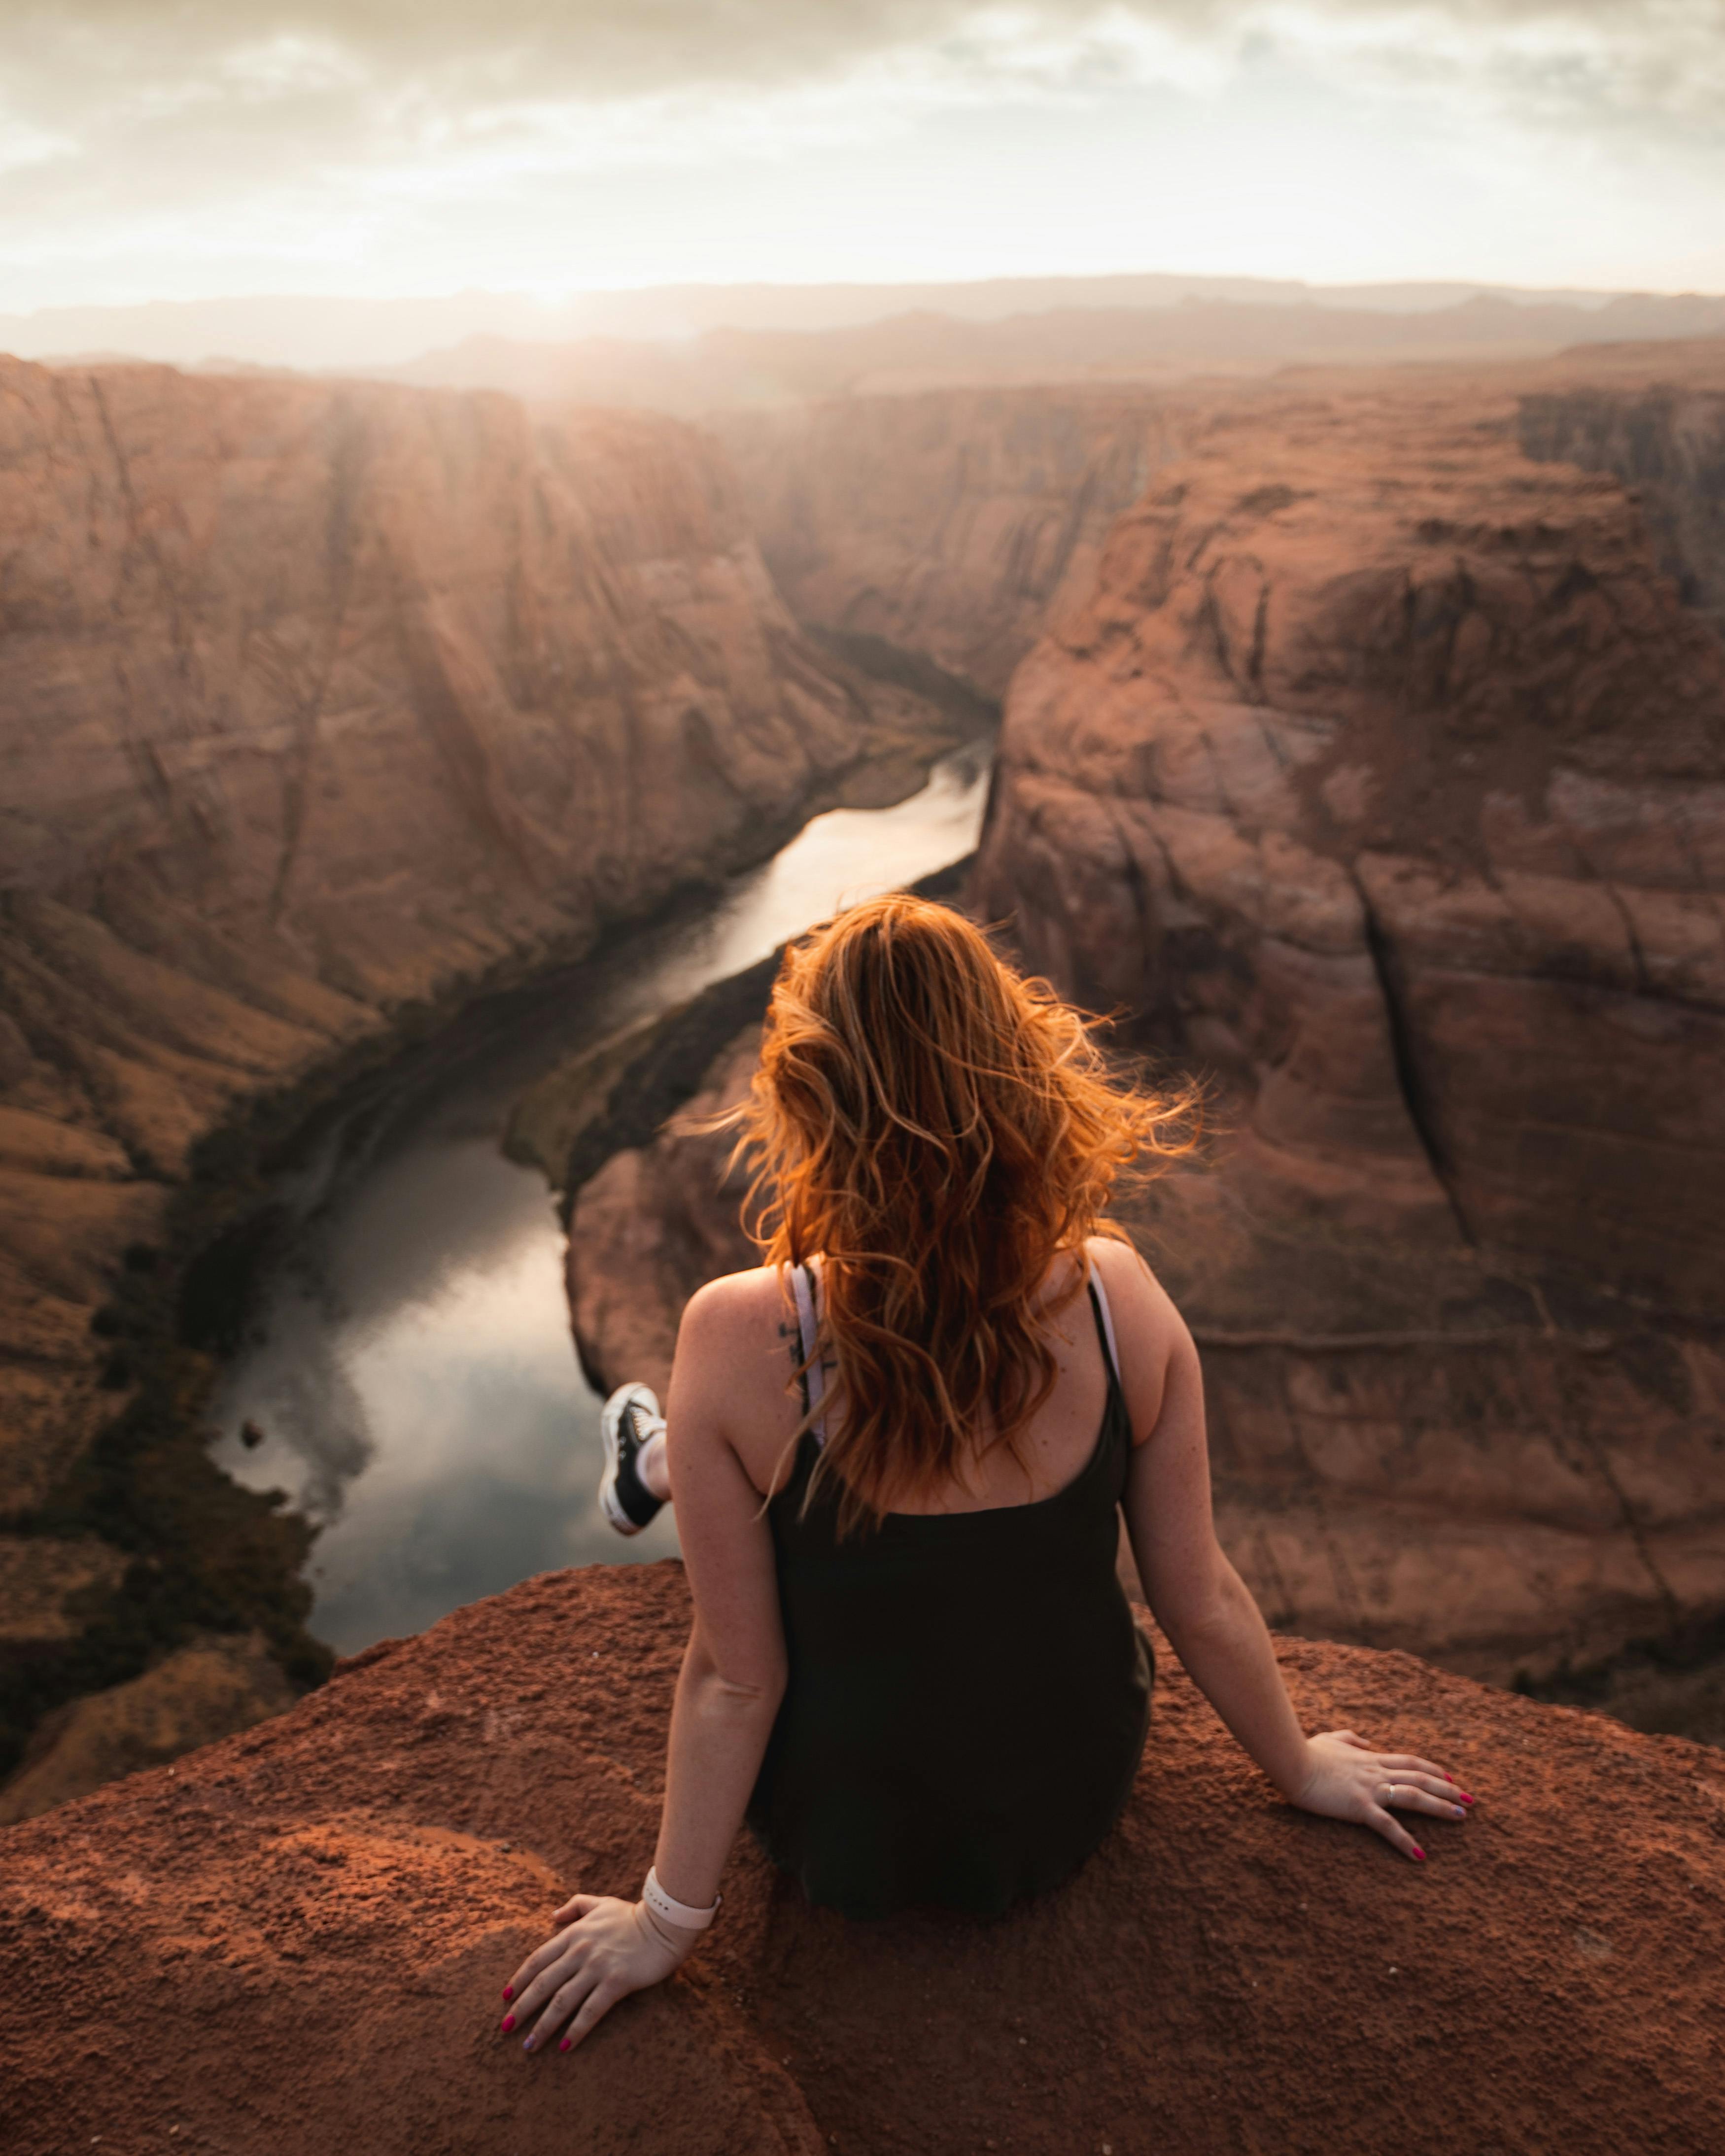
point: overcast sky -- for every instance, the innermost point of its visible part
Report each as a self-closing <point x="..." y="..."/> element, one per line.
<point x="181" y="149"/>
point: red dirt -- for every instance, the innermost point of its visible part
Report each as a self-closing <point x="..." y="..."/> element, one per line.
<point x="296" y="1940"/>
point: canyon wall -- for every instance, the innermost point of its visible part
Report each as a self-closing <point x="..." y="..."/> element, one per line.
<point x="318" y="1917"/>
<point x="318" y="705"/>
<point x="1378" y="775"/>
<point x="1372" y="765"/>
<point x="959" y="522"/>
<point x="953" y="523"/>
<point x="658" y="1219"/>
<point x="1667" y="442"/>
<point x="1383" y="779"/>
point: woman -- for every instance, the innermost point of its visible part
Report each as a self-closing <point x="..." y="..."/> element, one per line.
<point x="898" y="1451"/>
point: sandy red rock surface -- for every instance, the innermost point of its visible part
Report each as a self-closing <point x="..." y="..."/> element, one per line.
<point x="295" y="1941"/>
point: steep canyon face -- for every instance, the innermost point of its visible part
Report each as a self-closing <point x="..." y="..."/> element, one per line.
<point x="953" y="523"/>
<point x="1379" y="773"/>
<point x="1667" y="442"/>
<point x="320" y="704"/>
<point x="1383" y="778"/>
<point x="1369" y="761"/>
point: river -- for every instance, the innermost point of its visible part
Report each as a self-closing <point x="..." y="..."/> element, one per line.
<point x="408" y="1377"/>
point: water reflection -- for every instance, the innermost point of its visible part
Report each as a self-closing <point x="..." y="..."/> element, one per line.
<point x="412" y="1384"/>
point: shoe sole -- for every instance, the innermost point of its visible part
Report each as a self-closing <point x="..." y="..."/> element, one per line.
<point x="610" y="1429"/>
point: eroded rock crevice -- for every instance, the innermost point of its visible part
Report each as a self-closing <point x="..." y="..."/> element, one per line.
<point x="1668" y="443"/>
<point x="1412" y="1082"/>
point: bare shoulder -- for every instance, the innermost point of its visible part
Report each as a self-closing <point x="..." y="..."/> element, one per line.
<point x="1150" y="1334"/>
<point x="734" y="1300"/>
<point x="734" y="1328"/>
<point x="732" y="1378"/>
<point x="1133" y="1289"/>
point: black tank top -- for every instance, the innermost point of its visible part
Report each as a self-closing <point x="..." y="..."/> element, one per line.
<point x="968" y="1694"/>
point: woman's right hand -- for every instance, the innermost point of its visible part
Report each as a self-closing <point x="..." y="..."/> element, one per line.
<point x="1348" y="1779"/>
<point x="609" y="1949"/>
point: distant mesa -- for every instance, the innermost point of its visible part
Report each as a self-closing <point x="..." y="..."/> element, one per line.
<point x="709" y="345"/>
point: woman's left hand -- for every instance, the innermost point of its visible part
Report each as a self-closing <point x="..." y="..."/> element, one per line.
<point x="606" y="1949"/>
<point x="1346" y="1779"/>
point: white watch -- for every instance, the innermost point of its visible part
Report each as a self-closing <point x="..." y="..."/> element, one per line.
<point x="674" y="1911"/>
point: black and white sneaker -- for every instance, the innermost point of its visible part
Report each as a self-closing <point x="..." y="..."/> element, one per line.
<point x="630" y="1419"/>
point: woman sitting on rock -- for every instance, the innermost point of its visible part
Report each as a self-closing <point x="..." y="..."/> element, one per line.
<point x="899" y="1450"/>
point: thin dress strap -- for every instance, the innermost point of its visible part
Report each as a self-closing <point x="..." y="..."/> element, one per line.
<point x="814" y="1382"/>
<point x="1112" y="1352"/>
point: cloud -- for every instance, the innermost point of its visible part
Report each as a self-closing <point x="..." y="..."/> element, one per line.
<point x="277" y="132"/>
<point x="1634" y="64"/>
<point x="429" y="63"/>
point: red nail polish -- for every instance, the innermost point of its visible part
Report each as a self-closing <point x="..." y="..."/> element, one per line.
<point x="1448" y="1777"/>
<point x="1463" y="1796"/>
<point x="508" y="2023"/>
<point x="508" y="1991"/>
<point x="1420" y="1854"/>
<point x="564" y="2045"/>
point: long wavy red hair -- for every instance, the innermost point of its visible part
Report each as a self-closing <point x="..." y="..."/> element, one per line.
<point x="938" y="1129"/>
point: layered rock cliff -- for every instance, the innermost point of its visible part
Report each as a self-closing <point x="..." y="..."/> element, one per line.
<point x="953" y="523"/>
<point x="296" y="1940"/>
<point x="1379" y="776"/>
<point x="1383" y="778"/>
<point x="958" y="523"/>
<point x="1667" y="442"/>
<point x="318" y="705"/>
<point x="653" y="1222"/>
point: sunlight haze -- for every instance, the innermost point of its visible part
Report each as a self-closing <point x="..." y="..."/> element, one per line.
<point x="378" y="149"/>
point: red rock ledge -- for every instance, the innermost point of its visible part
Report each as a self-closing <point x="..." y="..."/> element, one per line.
<point x="294" y="1940"/>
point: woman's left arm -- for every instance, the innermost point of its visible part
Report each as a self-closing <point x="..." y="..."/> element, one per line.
<point x="728" y="1695"/>
<point x="1206" y="1608"/>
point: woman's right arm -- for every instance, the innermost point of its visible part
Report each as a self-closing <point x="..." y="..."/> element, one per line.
<point x="1203" y="1604"/>
<point x="728" y="1690"/>
<point x="733" y="1675"/>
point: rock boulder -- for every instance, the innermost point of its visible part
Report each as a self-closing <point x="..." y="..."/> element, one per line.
<point x="296" y="1940"/>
